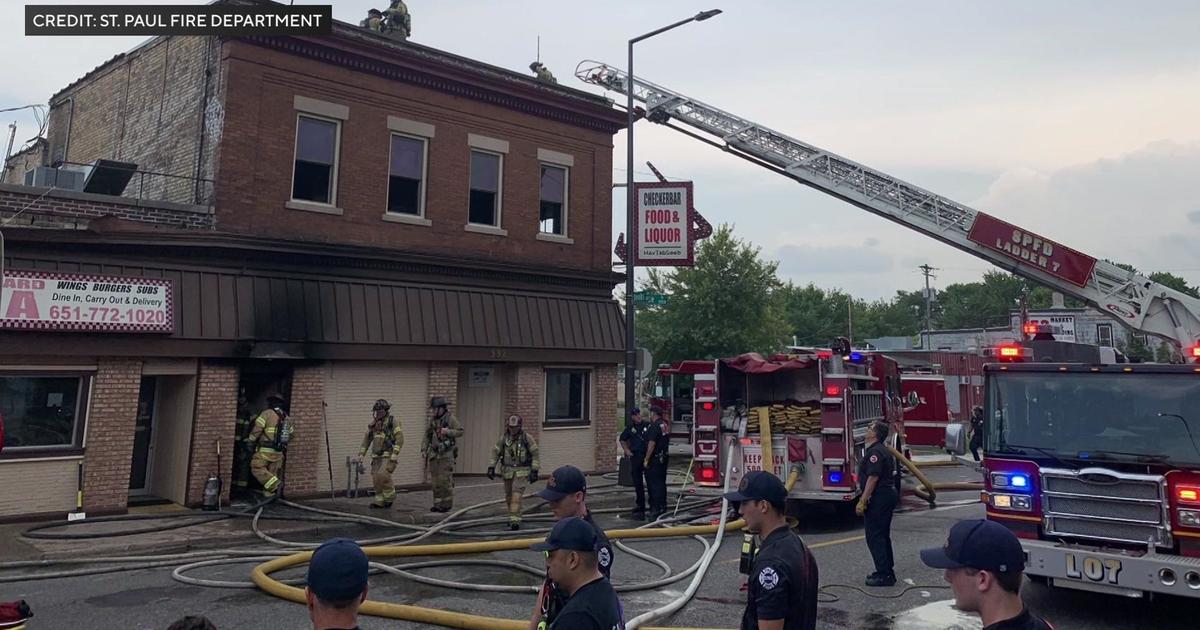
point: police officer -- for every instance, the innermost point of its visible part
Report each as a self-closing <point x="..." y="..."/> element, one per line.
<point x="517" y="454"/>
<point x="878" y="501"/>
<point x="782" y="586"/>
<point x="566" y="494"/>
<point x="383" y="440"/>
<point x="633" y="441"/>
<point x="976" y="431"/>
<point x="440" y="449"/>
<point x="268" y="440"/>
<point x="658" y="435"/>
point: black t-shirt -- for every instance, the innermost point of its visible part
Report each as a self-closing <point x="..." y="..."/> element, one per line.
<point x="1023" y="621"/>
<point x="876" y="460"/>
<point x="635" y="435"/>
<point x="604" y="557"/>
<point x="783" y="583"/>
<point x="593" y="607"/>
<point x="659" y="433"/>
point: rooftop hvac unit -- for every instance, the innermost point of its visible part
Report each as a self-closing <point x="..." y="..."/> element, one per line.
<point x="60" y="178"/>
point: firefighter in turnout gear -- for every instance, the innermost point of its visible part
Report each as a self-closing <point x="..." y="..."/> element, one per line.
<point x="269" y="439"/>
<point x="440" y="449"/>
<point x="383" y="441"/>
<point x="517" y="454"/>
<point x="241" y="456"/>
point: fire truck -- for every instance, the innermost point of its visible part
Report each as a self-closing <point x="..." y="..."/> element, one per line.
<point x="812" y="405"/>
<point x="1094" y="466"/>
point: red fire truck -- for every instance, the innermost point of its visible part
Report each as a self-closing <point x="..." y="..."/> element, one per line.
<point x="1095" y="467"/>
<point x="817" y="404"/>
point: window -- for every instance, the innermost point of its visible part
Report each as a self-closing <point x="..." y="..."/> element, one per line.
<point x="1104" y="336"/>
<point x="485" y="189"/>
<point x="314" y="177"/>
<point x="42" y="412"/>
<point x="553" y="213"/>
<point x="567" y="397"/>
<point x="406" y="176"/>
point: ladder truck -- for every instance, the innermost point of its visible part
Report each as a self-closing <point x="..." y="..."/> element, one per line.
<point x="1096" y="468"/>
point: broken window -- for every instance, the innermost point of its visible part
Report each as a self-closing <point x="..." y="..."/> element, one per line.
<point x="552" y="215"/>
<point x="406" y="176"/>
<point x="314" y="175"/>
<point x="485" y="189"/>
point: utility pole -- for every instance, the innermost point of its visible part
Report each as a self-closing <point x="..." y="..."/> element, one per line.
<point x="927" y="271"/>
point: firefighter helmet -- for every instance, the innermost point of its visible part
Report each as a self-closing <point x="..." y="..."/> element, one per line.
<point x="514" y="420"/>
<point x="381" y="404"/>
<point x="437" y="401"/>
<point x="275" y="400"/>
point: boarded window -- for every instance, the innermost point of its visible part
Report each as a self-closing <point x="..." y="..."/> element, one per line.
<point x="552" y="215"/>
<point x="316" y="160"/>
<point x="485" y="189"/>
<point x="406" y="176"/>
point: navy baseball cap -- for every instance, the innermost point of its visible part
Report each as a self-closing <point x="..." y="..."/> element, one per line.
<point x="759" y="485"/>
<point x="574" y="534"/>
<point x="978" y="544"/>
<point x="563" y="481"/>
<point x="636" y="411"/>
<point x="338" y="570"/>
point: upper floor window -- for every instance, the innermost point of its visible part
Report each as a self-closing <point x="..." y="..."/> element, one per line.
<point x="552" y="214"/>
<point x="406" y="176"/>
<point x="486" y="180"/>
<point x="314" y="176"/>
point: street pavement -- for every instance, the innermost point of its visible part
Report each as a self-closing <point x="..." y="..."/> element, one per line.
<point x="150" y="599"/>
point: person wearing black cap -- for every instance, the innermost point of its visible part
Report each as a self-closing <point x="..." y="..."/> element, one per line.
<point x="337" y="585"/>
<point x="781" y="593"/>
<point x="633" y="441"/>
<point x="983" y="562"/>
<point x="573" y="564"/>
<point x="658" y="435"/>
<point x="878" y="502"/>
<point x="566" y="493"/>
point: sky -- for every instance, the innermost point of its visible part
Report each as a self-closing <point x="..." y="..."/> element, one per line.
<point x="1073" y="119"/>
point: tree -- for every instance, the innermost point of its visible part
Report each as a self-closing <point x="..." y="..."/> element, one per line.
<point x="725" y="305"/>
<point x="1175" y="282"/>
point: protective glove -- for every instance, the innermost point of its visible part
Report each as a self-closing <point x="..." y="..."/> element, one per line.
<point x="492" y="472"/>
<point x="861" y="508"/>
<point x="391" y="466"/>
<point x="533" y="476"/>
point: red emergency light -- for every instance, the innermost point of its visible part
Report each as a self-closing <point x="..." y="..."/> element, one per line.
<point x="833" y="390"/>
<point x="1031" y="329"/>
<point x="708" y="474"/>
<point x="1196" y="352"/>
<point x="706" y="406"/>
<point x="1010" y="351"/>
<point x="1187" y="494"/>
<point x="824" y="354"/>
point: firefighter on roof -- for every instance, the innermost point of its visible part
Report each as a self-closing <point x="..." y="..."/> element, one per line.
<point x="383" y="441"/>
<point x="440" y="448"/>
<point x="516" y="453"/>
<point x="268" y="440"/>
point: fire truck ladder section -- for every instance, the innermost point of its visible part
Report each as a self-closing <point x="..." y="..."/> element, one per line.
<point x="1138" y="302"/>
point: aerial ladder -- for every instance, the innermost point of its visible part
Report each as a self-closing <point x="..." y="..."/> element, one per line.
<point x="1136" y="301"/>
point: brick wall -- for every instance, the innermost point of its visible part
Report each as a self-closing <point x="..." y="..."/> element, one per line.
<point x="525" y="392"/>
<point x="216" y="417"/>
<point x="308" y="391"/>
<point x="147" y="107"/>
<point x="258" y="145"/>
<point x="32" y="157"/>
<point x="66" y="207"/>
<point x="443" y="381"/>
<point x="109" y="448"/>
<point x="604" y="388"/>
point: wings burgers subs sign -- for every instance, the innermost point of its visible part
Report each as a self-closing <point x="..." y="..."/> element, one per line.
<point x="35" y="300"/>
<point x="663" y="224"/>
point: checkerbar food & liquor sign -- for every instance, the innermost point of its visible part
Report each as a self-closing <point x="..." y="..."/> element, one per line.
<point x="36" y="300"/>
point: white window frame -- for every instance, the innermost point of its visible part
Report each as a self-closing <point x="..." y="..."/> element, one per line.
<point x="315" y="206"/>
<point x="566" y="205"/>
<point x="485" y="228"/>
<point x="424" y="187"/>
<point x="588" y="404"/>
<point x="1100" y="338"/>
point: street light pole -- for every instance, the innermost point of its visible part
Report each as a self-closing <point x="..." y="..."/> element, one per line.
<point x="630" y="213"/>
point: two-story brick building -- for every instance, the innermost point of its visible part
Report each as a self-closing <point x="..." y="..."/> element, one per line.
<point x="341" y="219"/>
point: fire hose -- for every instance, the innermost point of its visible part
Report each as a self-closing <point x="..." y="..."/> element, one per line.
<point x="927" y="490"/>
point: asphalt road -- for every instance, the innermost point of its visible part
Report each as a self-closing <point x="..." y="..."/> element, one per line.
<point x="150" y="599"/>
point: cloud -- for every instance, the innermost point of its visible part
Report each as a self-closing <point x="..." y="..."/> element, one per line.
<point x="804" y="262"/>
<point x="1194" y="216"/>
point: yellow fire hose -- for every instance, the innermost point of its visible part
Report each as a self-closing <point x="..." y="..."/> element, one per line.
<point x="928" y="490"/>
<point x="261" y="574"/>
<point x="767" y="446"/>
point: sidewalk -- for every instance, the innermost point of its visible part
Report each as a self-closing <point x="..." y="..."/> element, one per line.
<point x="410" y="507"/>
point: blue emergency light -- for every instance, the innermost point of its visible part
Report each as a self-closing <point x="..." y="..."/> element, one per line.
<point x="856" y="356"/>
<point x="835" y="477"/>
<point x="1019" y="481"/>
<point x="1016" y="481"/>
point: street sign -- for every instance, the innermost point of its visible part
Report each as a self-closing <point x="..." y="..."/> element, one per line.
<point x="662" y="224"/>
<point x="649" y="298"/>
<point x="645" y="362"/>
